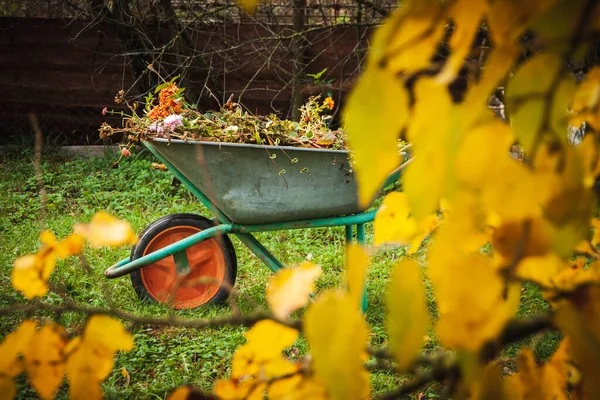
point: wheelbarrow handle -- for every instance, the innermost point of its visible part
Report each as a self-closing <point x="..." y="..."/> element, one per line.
<point x="112" y="271"/>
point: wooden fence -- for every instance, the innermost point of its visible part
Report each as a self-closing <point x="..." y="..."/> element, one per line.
<point x="67" y="71"/>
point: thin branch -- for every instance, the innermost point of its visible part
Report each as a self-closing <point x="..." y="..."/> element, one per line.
<point x="444" y="366"/>
<point x="32" y="309"/>
<point x="37" y="164"/>
<point x="382" y="11"/>
<point x="515" y="331"/>
<point x="438" y="373"/>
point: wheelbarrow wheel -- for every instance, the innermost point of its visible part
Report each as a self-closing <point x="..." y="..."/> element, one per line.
<point x="213" y="264"/>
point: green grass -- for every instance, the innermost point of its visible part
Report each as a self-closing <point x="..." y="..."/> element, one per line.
<point x="164" y="358"/>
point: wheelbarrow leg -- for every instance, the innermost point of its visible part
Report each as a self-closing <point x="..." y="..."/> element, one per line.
<point x="349" y="233"/>
<point x="182" y="265"/>
<point x="260" y="251"/>
<point x="360" y="233"/>
<point x="360" y="239"/>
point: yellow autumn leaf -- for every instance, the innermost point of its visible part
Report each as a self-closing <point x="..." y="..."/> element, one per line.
<point x="489" y="385"/>
<point x="14" y="344"/>
<point x="92" y="354"/>
<point x="589" y="151"/>
<point x="407" y="315"/>
<point x="528" y="107"/>
<point x="327" y="139"/>
<point x="89" y="360"/>
<point x="393" y="221"/>
<point x="595" y="224"/>
<point x="562" y="362"/>
<point x="568" y="204"/>
<point x="30" y="273"/>
<point x="574" y="276"/>
<point x="83" y="382"/>
<point x="434" y="135"/>
<point x="307" y="388"/>
<point x="107" y="332"/>
<point x="160" y="167"/>
<point x="248" y="5"/>
<point x="259" y="362"/>
<point x="181" y="393"/>
<point x="467" y="16"/>
<point x="244" y="361"/>
<point x="557" y="26"/>
<point x="275" y="371"/>
<point x="541" y="269"/>
<point x="106" y="230"/>
<point x="373" y="118"/>
<point x="337" y="335"/>
<point x="45" y="359"/>
<point x="290" y="288"/>
<point x="466" y="324"/>
<point x="559" y="113"/>
<point x="585" y="248"/>
<point x="483" y="154"/>
<point x="426" y="227"/>
<point x="248" y="389"/>
<point x="270" y="338"/>
<point x="463" y="219"/>
<point x="470" y="294"/>
<point x="395" y="224"/>
<point x="527" y="238"/>
<point x="284" y="388"/>
<point x="514" y="195"/>
<point x="357" y="263"/>
<point x="508" y="19"/>
<point x="27" y="275"/>
<point x="499" y="63"/>
<point x="266" y="341"/>
<point x="71" y="245"/>
<point x="185" y="393"/>
<point x="533" y="382"/>
<point x="579" y="318"/>
<point x="8" y="389"/>
<point x="585" y="105"/>
<point x="414" y="34"/>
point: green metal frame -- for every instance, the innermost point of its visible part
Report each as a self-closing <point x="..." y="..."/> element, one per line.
<point x="224" y="226"/>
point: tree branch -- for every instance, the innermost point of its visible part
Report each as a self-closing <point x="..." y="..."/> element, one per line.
<point x="443" y="365"/>
<point x="382" y="11"/>
<point x="31" y="309"/>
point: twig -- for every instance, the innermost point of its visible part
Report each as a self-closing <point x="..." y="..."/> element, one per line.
<point x="381" y="365"/>
<point x="443" y="365"/>
<point x="196" y="323"/>
<point x="382" y="11"/>
<point x="508" y="270"/>
<point x="515" y="331"/>
<point x="37" y="164"/>
<point x="423" y="378"/>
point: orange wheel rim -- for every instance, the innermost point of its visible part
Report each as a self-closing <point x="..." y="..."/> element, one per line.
<point x="206" y="276"/>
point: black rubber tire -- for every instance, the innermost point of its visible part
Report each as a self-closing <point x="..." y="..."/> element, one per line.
<point x="170" y="221"/>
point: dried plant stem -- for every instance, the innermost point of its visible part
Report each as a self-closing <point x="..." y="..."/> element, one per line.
<point x="37" y="165"/>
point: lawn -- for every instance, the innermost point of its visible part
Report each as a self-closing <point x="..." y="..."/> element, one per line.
<point x="164" y="358"/>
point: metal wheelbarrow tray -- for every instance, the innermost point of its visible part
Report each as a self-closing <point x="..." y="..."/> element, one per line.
<point x="187" y="260"/>
<point x="254" y="184"/>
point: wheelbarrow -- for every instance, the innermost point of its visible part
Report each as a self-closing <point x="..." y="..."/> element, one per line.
<point x="188" y="261"/>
